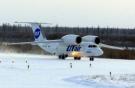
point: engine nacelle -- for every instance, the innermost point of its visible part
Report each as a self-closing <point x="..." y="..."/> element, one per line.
<point x="72" y="39"/>
<point x="91" y="38"/>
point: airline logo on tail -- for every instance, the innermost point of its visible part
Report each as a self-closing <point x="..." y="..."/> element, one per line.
<point x="37" y="33"/>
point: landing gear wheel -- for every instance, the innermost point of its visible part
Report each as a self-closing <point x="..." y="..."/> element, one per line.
<point x="91" y="58"/>
<point x="77" y="58"/>
<point x="62" y="57"/>
<point x="59" y="56"/>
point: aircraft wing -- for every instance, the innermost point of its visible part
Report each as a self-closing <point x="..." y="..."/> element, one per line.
<point x="19" y="43"/>
<point x="111" y="47"/>
<point x="32" y="43"/>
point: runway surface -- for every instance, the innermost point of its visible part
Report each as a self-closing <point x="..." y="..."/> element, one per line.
<point x="49" y="72"/>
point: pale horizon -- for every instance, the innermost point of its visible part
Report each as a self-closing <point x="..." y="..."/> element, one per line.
<point x="82" y="13"/>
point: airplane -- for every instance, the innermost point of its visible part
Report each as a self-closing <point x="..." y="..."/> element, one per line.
<point x="70" y="45"/>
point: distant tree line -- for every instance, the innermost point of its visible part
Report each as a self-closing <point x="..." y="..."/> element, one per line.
<point x="113" y="36"/>
<point x="15" y="33"/>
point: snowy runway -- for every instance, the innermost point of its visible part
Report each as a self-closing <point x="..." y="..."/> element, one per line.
<point x="49" y="72"/>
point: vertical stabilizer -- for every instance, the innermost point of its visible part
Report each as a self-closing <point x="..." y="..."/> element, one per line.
<point x="37" y="32"/>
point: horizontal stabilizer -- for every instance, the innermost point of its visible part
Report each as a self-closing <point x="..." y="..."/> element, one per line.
<point x="32" y="22"/>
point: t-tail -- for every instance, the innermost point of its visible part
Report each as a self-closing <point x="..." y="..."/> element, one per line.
<point x="37" y="32"/>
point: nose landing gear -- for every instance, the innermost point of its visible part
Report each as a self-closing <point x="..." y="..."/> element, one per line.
<point x="91" y="58"/>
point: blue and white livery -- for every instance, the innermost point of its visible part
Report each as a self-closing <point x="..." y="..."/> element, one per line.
<point x="70" y="45"/>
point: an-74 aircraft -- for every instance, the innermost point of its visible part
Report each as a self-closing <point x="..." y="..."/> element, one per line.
<point x="70" y="45"/>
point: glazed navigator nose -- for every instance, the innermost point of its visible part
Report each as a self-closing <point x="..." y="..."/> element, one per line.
<point x="97" y="52"/>
<point x="100" y="51"/>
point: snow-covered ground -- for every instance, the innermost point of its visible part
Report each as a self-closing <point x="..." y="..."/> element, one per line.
<point x="49" y="72"/>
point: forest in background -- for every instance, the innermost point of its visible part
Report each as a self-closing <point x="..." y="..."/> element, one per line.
<point x="114" y="36"/>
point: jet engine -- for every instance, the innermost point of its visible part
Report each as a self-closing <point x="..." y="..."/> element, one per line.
<point x="72" y="39"/>
<point x="90" y="38"/>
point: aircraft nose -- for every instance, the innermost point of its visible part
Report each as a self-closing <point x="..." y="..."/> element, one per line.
<point x="95" y="52"/>
<point x="100" y="51"/>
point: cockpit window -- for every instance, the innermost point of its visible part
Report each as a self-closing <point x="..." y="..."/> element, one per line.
<point x="92" y="46"/>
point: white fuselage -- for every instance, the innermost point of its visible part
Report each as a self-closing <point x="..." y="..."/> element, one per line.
<point x="69" y="45"/>
<point x="84" y="49"/>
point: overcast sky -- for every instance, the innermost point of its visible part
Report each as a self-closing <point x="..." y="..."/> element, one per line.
<point x="112" y="13"/>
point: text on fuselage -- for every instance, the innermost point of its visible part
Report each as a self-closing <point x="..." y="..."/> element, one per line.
<point x="73" y="48"/>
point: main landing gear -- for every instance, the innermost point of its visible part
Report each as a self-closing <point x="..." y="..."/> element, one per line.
<point x="91" y="58"/>
<point x="63" y="56"/>
<point x="77" y="58"/>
